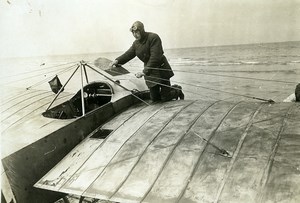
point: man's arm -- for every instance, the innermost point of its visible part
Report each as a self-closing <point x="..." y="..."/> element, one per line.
<point x="127" y="56"/>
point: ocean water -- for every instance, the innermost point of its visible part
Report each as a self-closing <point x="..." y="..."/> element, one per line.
<point x="266" y="71"/>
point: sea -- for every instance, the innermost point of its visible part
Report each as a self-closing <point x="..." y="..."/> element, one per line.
<point x="264" y="71"/>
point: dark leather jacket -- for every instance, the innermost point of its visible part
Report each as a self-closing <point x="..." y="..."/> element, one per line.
<point x="149" y="50"/>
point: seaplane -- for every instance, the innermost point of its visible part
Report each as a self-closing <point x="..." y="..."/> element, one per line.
<point x="107" y="141"/>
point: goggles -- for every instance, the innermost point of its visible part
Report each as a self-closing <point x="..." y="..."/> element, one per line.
<point x="134" y="28"/>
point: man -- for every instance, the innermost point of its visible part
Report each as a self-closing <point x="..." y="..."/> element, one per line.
<point x="157" y="70"/>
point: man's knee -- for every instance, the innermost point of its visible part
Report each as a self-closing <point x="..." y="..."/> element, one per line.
<point x="154" y="93"/>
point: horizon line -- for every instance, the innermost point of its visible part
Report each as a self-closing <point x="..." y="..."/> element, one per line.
<point x="111" y="52"/>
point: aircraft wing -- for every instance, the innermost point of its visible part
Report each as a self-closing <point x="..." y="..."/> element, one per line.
<point x="188" y="151"/>
<point x="21" y="115"/>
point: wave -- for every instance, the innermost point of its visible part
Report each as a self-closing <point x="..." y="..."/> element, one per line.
<point x="203" y="62"/>
<point x="294" y="62"/>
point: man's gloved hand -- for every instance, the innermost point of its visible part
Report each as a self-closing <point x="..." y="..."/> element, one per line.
<point x="139" y="75"/>
<point x="114" y="63"/>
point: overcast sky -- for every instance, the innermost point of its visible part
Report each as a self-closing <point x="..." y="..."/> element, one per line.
<point x="54" y="27"/>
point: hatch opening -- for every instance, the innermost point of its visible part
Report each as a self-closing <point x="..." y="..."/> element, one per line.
<point x="101" y="134"/>
<point x="96" y="94"/>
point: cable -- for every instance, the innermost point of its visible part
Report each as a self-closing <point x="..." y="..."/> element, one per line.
<point x="38" y="75"/>
<point x="35" y="70"/>
<point x="47" y="78"/>
<point x="251" y="97"/>
<point x="230" y="76"/>
<point x="177" y="88"/>
<point x="172" y="87"/>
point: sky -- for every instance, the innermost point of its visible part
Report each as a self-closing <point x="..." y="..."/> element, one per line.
<point x="55" y="27"/>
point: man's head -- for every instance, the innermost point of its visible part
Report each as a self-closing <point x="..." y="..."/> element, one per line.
<point x="138" y="30"/>
<point x="297" y="93"/>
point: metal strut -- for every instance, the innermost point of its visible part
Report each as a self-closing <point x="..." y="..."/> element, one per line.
<point x="82" y="93"/>
<point x="85" y="73"/>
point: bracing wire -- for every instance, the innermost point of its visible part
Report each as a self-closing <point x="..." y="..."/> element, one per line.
<point x="47" y="78"/>
<point x="180" y="82"/>
<point x="199" y="86"/>
<point x="193" y="92"/>
<point x="203" y="87"/>
<point x="176" y="88"/>
<point x="33" y="76"/>
<point x="230" y="76"/>
<point x="36" y="70"/>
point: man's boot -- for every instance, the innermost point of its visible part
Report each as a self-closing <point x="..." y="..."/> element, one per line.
<point x="179" y="93"/>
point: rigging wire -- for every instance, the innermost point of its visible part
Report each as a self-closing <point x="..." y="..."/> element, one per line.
<point x="169" y="86"/>
<point x="40" y="82"/>
<point x="251" y="97"/>
<point x="195" y="85"/>
<point x="36" y="70"/>
<point x="37" y="75"/>
<point x="221" y="75"/>
<point x="47" y="78"/>
<point x="20" y="96"/>
<point x="176" y="88"/>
